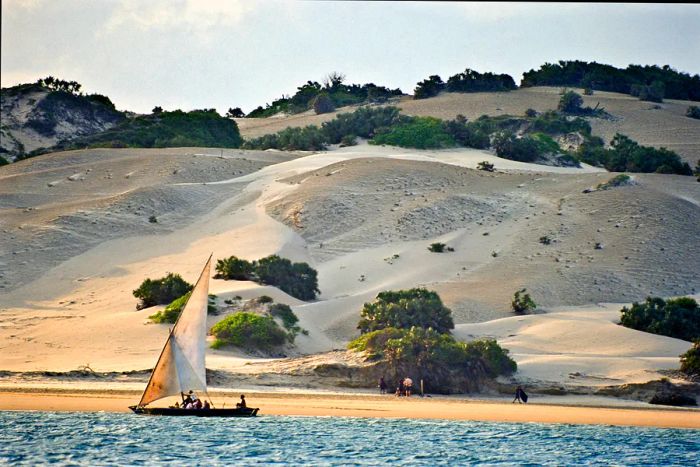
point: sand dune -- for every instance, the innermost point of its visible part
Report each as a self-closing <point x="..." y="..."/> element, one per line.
<point x="73" y="250"/>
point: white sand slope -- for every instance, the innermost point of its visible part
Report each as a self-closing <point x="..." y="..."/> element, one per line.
<point x="363" y="217"/>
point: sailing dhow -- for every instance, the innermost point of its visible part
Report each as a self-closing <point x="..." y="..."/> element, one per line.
<point x="181" y="366"/>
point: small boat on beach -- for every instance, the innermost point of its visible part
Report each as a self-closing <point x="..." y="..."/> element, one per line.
<point x="181" y="366"/>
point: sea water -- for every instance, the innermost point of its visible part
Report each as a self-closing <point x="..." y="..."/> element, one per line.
<point x="32" y="438"/>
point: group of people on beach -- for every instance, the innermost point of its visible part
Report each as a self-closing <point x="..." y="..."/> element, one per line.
<point x="403" y="388"/>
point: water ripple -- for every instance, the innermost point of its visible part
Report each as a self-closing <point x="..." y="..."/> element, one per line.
<point x="36" y="438"/>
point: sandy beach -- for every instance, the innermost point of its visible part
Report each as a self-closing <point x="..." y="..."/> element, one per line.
<point x="375" y="406"/>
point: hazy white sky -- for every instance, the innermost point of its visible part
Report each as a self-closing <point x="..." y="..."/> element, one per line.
<point x="216" y="53"/>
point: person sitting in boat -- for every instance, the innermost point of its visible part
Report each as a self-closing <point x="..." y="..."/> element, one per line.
<point x="241" y="404"/>
<point x="186" y="399"/>
<point x="206" y="405"/>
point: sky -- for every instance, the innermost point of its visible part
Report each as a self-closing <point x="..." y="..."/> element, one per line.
<point x="193" y="54"/>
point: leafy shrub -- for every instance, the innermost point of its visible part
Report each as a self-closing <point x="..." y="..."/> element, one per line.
<point x="625" y="155"/>
<point x="297" y="279"/>
<point x="508" y="146"/>
<point x="233" y="268"/>
<point x="308" y="138"/>
<point x="265" y="299"/>
<point x="235" y="113"/>
<point x="171" y="313"/>
<point x="348" y="140"/>
<point x="168" y="129"/>
<point x="322" y="104"/>
<point x="570" y="102"/>
<point x="653" y="92"/>
<point x="485" y="166"/>
<point x="437" y="247"/>
<point x="404" y="309"/>
<point x="693" y="112"/>
<point x="363" y="122"/>
<point x="603" y="77"/>
<point x="285" y="313"/>
<point x="153" y="220"/>
<point x="248" y="331"/>
<point x="554" y="123"/>
<point x="439" y="358"/>
<point x="161" y="291"/>
<point x="690" y="361"/>
<point x="473" y="81"/>
<point x="679" y="317"/>
<point x="588" y="92"/>
<point x="470" y="135"/>
<point x="617" y="180"/>
<point x="545" y="240"/>
<point x="429" y="87"/>
<point x="416" y="132"/>
<point x="531" y="113"/>
<point x="522" y="302"/>
<point x="3" y="161"/>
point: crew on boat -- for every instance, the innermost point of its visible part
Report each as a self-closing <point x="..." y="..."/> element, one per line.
<point x="241" y="404"/>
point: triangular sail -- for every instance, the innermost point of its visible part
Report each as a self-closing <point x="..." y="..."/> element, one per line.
<point x="181" y="366"/>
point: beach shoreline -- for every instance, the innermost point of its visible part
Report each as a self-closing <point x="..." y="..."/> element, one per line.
<point x="367" y="406"/>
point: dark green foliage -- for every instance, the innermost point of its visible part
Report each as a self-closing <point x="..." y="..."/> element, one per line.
<point x="404" y="309"/>
<point x="233" y="268"/>
<point x="171" y="313"/>
<point x="235" y="113"/>
<point x="588" y="92"/>
<point x="265" y="299"/>
<point x="554" y="123"/>
<point x="545" y="240"/>
<point x="153" y="220"/>
<point x="485" y="166"/>
<point x="437" y="247"/>
<point x="679" y="317"/>
<point x="592" y="151"/>
<point x="625" y="155"/>
<point x="169" y="129"/>
<point x="693" y="112"/>
<point x="322" y="104"/>
<point x="285" y="313"/>
<point x="348" y="140"/>
<point x="617" y="180"/>
<point x="522" y="302"/>
<point x="59" y="106"/>
<point x="248" y="331"/>
<point x="157" y="110"/>
<point x="416" y="132"/>
<point x="3" y="161"/>
<point x="339" y="94"/>
<point x="363" y="122"/>
<point x="602" y="77"/>
<point x="161" y="291"/>
<point x="437" y="358"/>
<point x="570" y="102"/>
<point x="470" y="135"/>
<point x="653" y="92"/>
<point x="55" y="84"/>
<point x="429" y="87"/>
<point x="297" y="279"/>
<point x="473" y="81"/>
<point x="508" y="146"/>
<point x="101" y="99"/>
<point x="309" y="138"/>
<point x="690" y="361"/>
<point x="531" y="113"/>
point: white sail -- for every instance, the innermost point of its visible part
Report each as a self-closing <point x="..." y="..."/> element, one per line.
<point x="181" y="366"/>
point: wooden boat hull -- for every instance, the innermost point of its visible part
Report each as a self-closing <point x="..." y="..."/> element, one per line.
<point x="171" y="412"/>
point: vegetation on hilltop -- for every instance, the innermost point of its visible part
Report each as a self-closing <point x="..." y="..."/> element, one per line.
<point x="167" y="129"/>
<point x="404" y="309"/>
<point x="649" y="82"/>
<point x="468" y="81"/>
<point x="333" y="93"/>
<point x="297" y="279"/>
<point x="171" y="313"/>
<point x="690" y="361"/>
<point x="676" y="317"/>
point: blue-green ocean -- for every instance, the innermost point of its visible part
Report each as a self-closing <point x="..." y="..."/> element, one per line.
<point x="35" y="438"/>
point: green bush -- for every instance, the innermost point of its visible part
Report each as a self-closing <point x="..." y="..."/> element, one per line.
<point x="233" y="268"/>
<point x="522" y="302"/>
<point x="416" y="132"/>
<point x="168" y="129"/>
<point x="161" y="291"/>
<point x="348" y="140"/>
<point x="679" y="317"/>
<point x="3" y="161"/>
<point x="248" y="331"/>
<point x="437" y="247"/>
<point x="693" y="112"/>
<point x="285" y="313"/>
<point x="265" y="299"/>
<point x="429" y="87"/>
<point x="554" y="123"/>
<point x="470" y="135"/>
<point x="625" y="155"/>
<point x="322" y="104"/>
<point x="473" y="81"/>
<point x="171" y="313"/>
<point x="570" y="102"/>
<point x="617" y="180"/>
<point x="404" y="309"/>
<point x="297" y="279"/>
<point x="363" y="122"/>
<point x="653" y="92"/>
<point x="690" y="361"/>
<point x="508" y="146"/>
<point x="485" y="166"/>
<point x="308" y="138"/>
<point x="437" y="358"/>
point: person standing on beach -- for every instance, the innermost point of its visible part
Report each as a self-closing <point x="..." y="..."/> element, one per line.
<point x="408" y="385"/>
<point x="382" y="386"/>
<point x="520" y="395"/>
